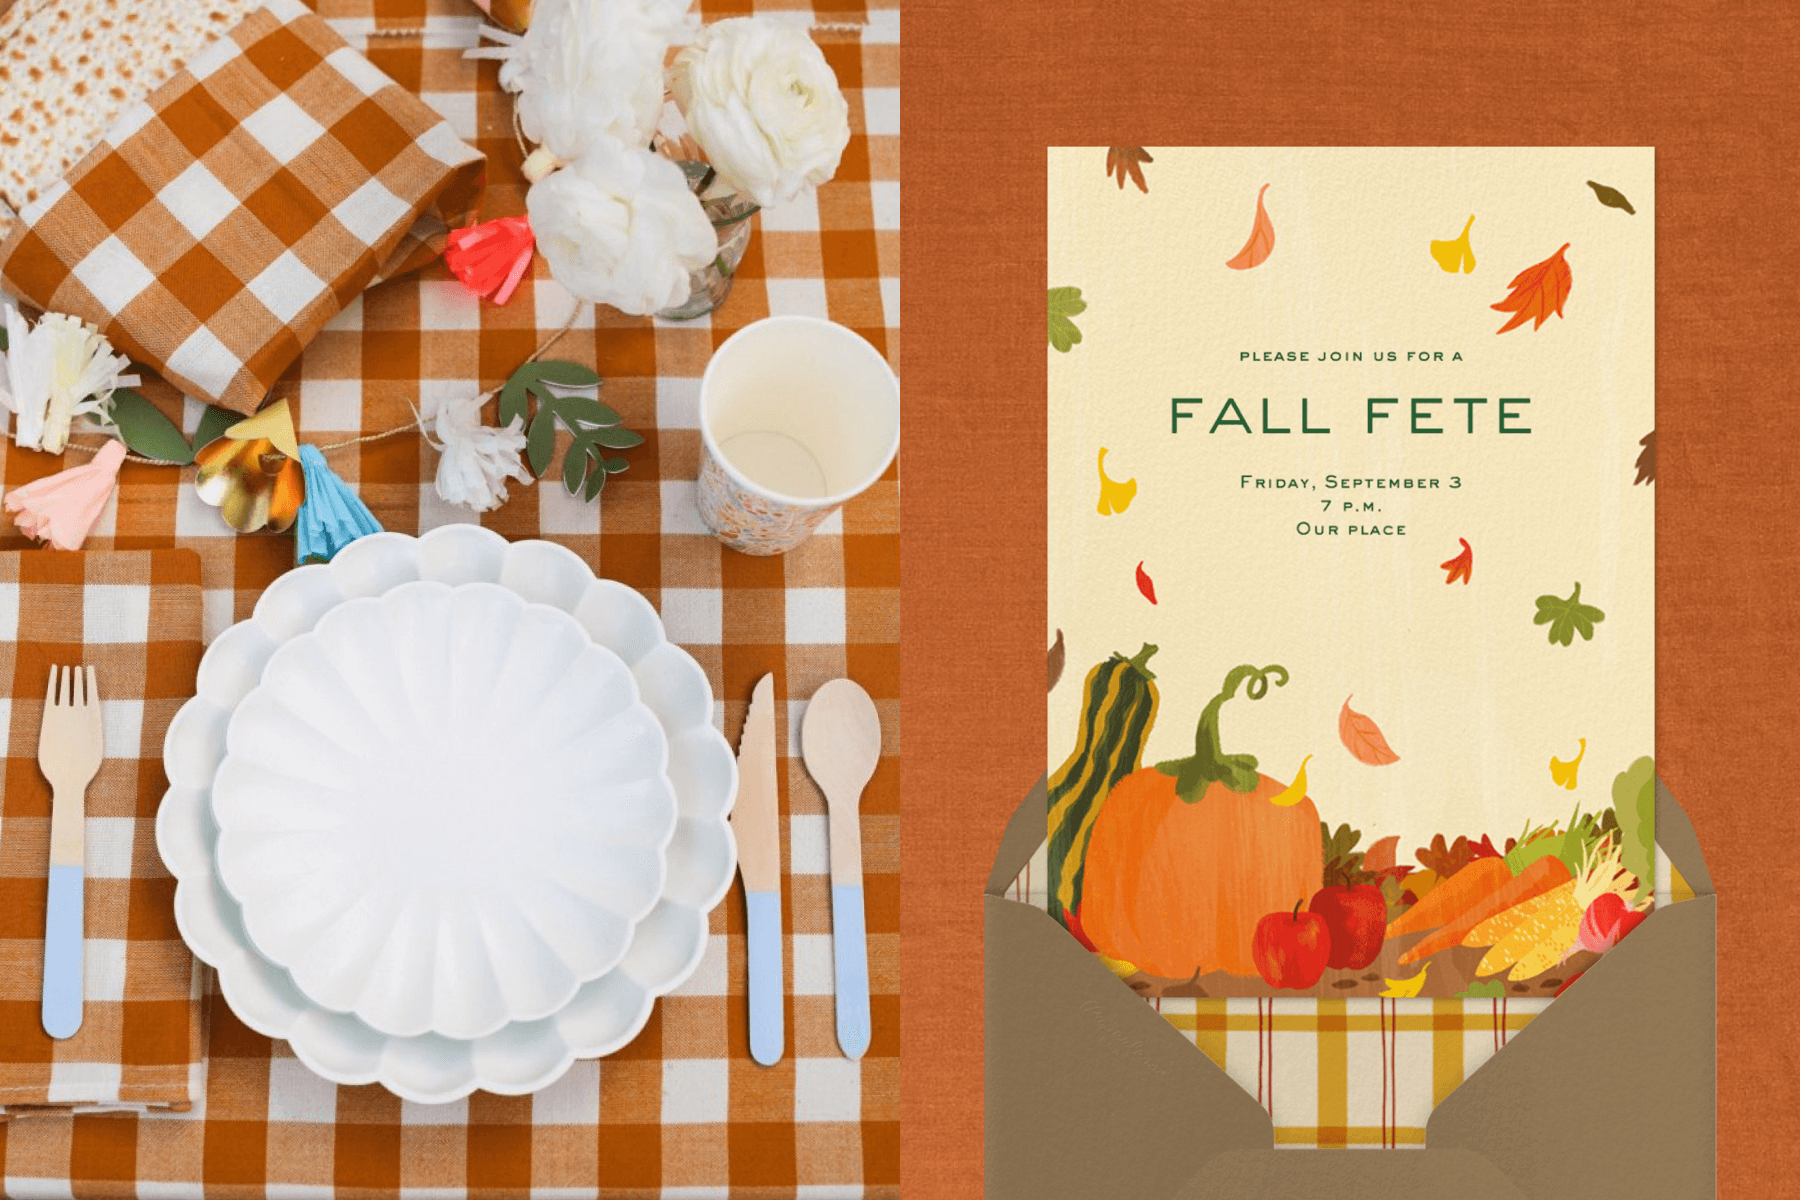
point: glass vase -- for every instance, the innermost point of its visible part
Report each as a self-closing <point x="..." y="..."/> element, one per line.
<point x="730" y="215"/>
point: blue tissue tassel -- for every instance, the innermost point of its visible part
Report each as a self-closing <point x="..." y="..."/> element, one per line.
<point x="332" y="516"/>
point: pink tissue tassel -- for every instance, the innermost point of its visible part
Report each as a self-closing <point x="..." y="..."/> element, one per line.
<point x="492" y="256"/>
<point x="61" y="509"/>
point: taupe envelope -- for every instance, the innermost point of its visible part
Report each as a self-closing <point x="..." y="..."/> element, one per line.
<point x="1091" y="1094"/>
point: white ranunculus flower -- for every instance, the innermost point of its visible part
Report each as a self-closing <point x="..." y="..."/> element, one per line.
<point x="620" y="226"/>
<point x="763" y="103"/>
<point x="588" y="70"/>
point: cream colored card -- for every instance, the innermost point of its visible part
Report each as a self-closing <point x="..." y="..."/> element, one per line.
<point x="1305" y="418"/>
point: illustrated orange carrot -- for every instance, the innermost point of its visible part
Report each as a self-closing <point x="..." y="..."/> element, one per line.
<point x="1448" y="899"/>
<point x="1544" y="875"/>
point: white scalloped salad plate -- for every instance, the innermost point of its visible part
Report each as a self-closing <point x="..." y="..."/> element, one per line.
<point x="606" y="1013"/>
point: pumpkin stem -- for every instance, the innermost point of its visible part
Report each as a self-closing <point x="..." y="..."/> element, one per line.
<point x="1210" y="764"/>
<point x="1141" y="659"/>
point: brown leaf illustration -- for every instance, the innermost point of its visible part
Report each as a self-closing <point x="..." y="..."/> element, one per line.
<point x="1363" y="739"/>
<point x="1646" y="463"/>
<point x="1056" y="661"/>
<point x="1537" y="291"/>
<point x="1123" y="161"/>
<point x="1611" y="197"/>
<point x="1262" y="239"/>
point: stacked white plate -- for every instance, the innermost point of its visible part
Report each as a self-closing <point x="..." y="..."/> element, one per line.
<point x="448" y="871"/>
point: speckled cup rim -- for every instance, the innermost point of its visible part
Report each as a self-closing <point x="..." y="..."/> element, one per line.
<point x="738" y="478"/>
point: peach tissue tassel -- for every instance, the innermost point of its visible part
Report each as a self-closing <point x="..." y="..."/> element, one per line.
<point x="61" y="509"/>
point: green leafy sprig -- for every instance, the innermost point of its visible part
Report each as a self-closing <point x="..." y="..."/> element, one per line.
<point x="594" y="427"/>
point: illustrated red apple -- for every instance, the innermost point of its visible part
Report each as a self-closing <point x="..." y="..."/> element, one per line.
<point x="1357" y="919"/>
<point x="1290" y="949"/>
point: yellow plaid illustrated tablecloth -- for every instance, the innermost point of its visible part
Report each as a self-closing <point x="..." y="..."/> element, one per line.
<point x="682" y="1111"/>
<point x="1337" y="1074"/>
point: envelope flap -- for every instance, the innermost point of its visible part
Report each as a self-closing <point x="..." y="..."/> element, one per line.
<point x="1090" y="1092"/>
<point x="1609" y="1093"/>
<point x="1675" y="834"/>
<point x="1341" y="1175"/>
<point x="1026" y="830"/>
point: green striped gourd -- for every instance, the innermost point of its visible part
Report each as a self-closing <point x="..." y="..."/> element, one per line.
<point x="1118" y="706"/>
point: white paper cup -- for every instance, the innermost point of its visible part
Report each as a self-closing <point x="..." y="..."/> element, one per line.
<point x="797" y="415"/>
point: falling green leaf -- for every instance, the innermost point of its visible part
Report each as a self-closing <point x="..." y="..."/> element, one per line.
<point x="1065" y="302"/>
<point x="1611" y="197"/>
<point x="1491" y="990"/>
<point x="1567" y="617"/>
<point x="144" y="428"/>
<point x="213" y="424"/>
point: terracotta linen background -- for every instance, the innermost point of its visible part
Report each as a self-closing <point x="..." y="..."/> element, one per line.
<point x="990" y="86"/>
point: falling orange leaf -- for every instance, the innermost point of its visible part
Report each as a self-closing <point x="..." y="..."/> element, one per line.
<point x="1363" y="739"/>
<point x="1262" y="239"/>
<point x="1646" y="460"/>
<point x="1144" y="584"/>
<point x="1537" y="292"/>
<point x="1463" y="564"/>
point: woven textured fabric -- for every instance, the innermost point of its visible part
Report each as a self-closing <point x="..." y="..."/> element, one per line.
<point x="1335" y="1074"/>
<point x="682" y="1111"/>
<point x="226" y="217"/>
<point x="133" y="616"/>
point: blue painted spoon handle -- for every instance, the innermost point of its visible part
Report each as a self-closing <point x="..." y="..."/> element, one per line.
<point x="63" y="951"/>
<point x="767" y="1020"/>
<point x="850" y="953"/>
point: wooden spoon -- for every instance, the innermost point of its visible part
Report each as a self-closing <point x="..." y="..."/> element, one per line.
<point x="840" y="739"/>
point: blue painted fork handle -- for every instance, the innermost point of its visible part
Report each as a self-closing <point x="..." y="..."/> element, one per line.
<point x="850" y="953"/>
<point x="767" y="1020"/>
<point x="63" y="952"/>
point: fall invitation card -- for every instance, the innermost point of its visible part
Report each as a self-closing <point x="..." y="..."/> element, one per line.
<point x="1351" y="565"/>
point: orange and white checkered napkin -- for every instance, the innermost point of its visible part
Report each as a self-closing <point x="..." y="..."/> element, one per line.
<point x="135" y="617"/>
<point x="223" y="219"/>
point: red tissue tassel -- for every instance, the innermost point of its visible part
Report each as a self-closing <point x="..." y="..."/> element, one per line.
<point x="491" y="257"/>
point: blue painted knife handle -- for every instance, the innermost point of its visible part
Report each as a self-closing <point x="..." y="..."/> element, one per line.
<point x="767" y="1020"/>
<point x="850" y="953"/>
<point x="63" y="952"/>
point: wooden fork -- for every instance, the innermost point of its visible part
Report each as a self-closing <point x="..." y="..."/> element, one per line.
<point x="69" y="755"/>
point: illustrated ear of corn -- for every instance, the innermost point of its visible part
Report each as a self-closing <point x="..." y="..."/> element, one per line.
<point x="1542" y="932"/>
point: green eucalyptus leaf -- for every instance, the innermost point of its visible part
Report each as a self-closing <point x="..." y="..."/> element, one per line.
<point x="583" y="409"/>
<point x="595" y="482"/>
<point x="513" y="399"/>
<point x="567" y="374"/>
<point x="615" y="465"/>
<point x="540" y="442"/>
<point x="2" y="341"/>
<point x="213" y="424"/>
<point x="614" y="439"/>
<point x="574" y="468"/>
<point x="144" y="428"/>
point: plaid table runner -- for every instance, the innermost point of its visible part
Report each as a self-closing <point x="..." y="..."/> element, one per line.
<point x="135" y="618"/>
<point x="683" y="1111"/>
<point x="1336" y="1074"/>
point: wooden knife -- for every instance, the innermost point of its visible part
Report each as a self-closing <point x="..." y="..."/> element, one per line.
<point x="756" y="823"/>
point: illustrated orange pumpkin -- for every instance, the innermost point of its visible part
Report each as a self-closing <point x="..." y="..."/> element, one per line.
<point x="1187" y="856"/>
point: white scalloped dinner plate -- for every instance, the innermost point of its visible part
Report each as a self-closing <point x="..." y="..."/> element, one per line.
<point x="604" y="1014"/>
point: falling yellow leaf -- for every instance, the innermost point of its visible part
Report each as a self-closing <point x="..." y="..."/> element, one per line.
<point x="1563" y="773"/>
<point x="1115" y="495"/>
<point x="276" y="423"/>
<point x="1451" y="255"/>
<point x="1296" y="791"/>
<point x="1406" y="988"/>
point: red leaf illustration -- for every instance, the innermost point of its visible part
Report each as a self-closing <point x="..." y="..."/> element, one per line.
<point x="1380" y="856"/>
<point x="1262" y="239"/>
<point x="1461" y="565"/>
<point x="1537" y="292"/>
<point x="1145" y="586"/>
<point x="1363" y="739"/>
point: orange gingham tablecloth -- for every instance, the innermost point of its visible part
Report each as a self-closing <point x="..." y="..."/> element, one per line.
<point x="682" y="1111"/>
